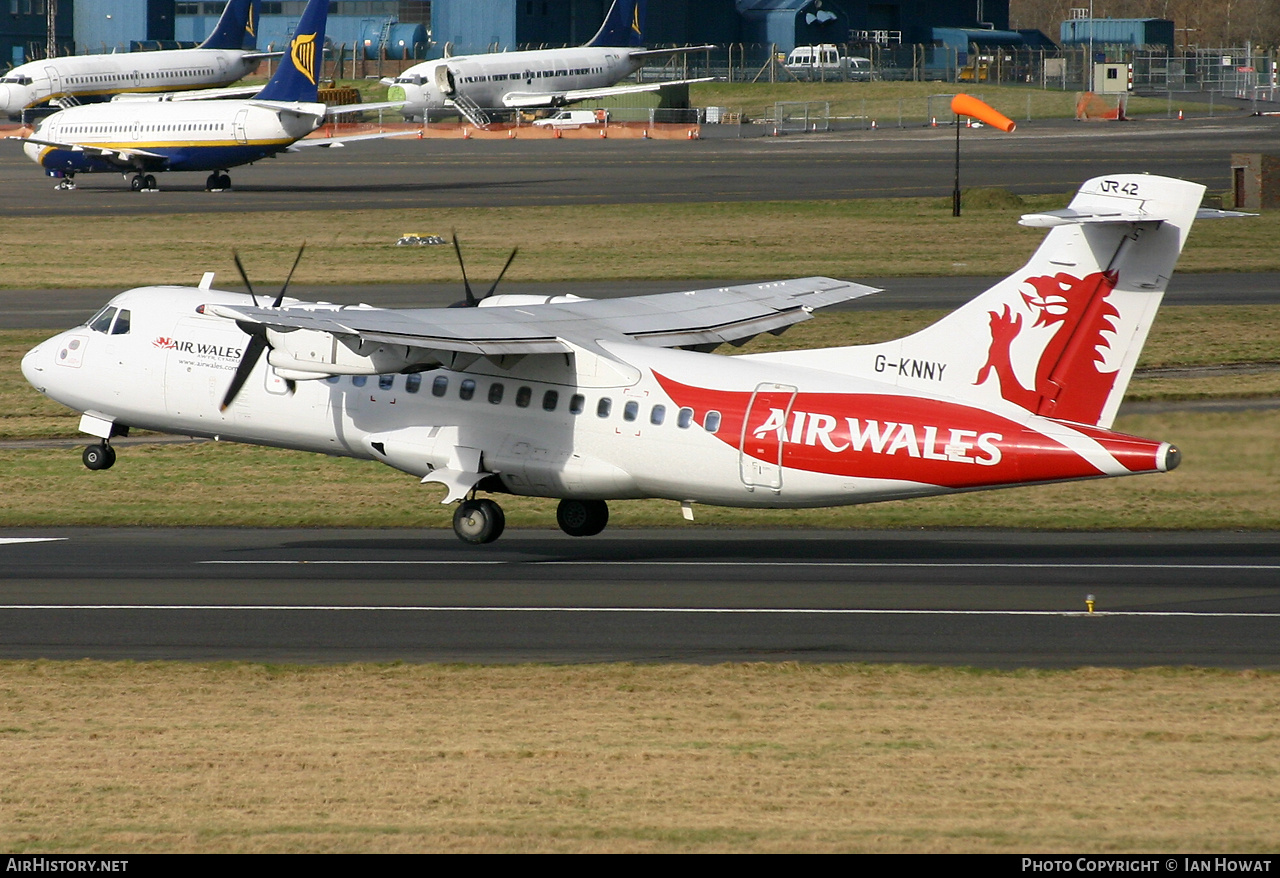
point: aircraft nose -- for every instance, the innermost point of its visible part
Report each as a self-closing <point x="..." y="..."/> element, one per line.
<point x="6" y="98"/>
<point x="34" y="367"/>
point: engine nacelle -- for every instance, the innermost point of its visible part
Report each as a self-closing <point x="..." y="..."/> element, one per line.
<point x="323" y="353"/>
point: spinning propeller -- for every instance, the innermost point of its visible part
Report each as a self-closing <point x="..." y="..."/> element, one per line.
<point x="471" y="301"/>
<point x="257" y="332"/>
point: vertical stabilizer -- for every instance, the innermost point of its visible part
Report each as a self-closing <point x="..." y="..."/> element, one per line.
<point x="1060" y="337"/>
<point x="237" y="28"/>
<point x="299" y="71"/>
<point x="623" y="25"/>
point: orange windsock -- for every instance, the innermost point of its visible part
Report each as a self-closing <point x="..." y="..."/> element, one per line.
<point x="964" y="105"/>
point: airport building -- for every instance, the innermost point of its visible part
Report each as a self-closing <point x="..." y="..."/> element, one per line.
<point x="425" y="28"/>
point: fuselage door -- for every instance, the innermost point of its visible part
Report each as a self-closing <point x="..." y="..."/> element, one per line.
<point x="55" y="81"/>
<point x="445" y="81"/>
<point x="242" y="133"/>
<point x="764" y="435"/>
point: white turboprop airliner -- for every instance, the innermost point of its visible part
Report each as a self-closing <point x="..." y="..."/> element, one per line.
<point x="147" y="137"/>
<point x="538" y="78"/>
<point x="597" y="400"/>
<point x="220" y="60"/>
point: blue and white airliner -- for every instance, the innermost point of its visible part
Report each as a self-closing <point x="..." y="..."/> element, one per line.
<point x="230" y="53"/>
<point x="143" y="138"/>
<point x="537" y="78"/>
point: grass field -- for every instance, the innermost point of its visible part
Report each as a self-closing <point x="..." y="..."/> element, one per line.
<point x="878" y="238"/>
<point x="615" y="758"/>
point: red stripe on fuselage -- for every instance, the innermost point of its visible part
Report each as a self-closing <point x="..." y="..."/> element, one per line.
<point x="890" y="436"/>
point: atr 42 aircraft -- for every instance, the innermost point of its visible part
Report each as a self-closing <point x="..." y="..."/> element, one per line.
<point x="539" y="78"/>
<point x="147" y="137"/>
<point x="227" y="55"/>
<point x="597" y="400"/>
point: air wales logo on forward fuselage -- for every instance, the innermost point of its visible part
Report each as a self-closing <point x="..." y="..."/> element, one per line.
<point x="198" y="348"/>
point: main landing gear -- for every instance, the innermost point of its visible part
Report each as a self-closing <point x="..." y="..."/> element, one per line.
<point x="143" y="183"/>
<point x="98" y="457"/>
<point x="217" y="182"/>
<point x="66" y="184"/>
<point x="482" y="521"/>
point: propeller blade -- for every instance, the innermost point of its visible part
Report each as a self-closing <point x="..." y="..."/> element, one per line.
<point x="280" y="298"/>
<point x="472" y="301"/>
<point x="253" y="350"/>
<point x="244" y="276"/>
<point x="514" y="251"/>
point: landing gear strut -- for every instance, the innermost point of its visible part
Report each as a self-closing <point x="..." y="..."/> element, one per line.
<point x="582" y="518"/>
<point x="98" y="457"/>
<point x="67" y="183"/>
<point x="478" y="521"/>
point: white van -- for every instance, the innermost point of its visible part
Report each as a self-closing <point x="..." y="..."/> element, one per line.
<point x="826" y="62"/>
<point x="573" y="119"/>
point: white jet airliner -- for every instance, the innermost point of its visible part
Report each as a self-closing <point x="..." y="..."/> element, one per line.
<point x="227" y="55"/>
<point x="147" y="137"/>
<point x="472" y="84"/>
<point x="596" y="400"/>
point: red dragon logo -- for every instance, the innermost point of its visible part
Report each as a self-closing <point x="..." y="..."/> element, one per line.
<point x="1070" y="383"/>
<point x="164" y="343"/>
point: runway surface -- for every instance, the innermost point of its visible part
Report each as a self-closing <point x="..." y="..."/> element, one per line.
<point x="1042" y="156"/>
<point x="998" y="599"/>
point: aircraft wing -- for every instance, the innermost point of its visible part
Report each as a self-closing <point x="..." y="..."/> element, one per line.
<point x="125" y="156"/>
<point x="327" y="142"/>
<point x="652" y="53"/>
<point x="572" y="96"/>
<point x="201" y="94"/>
<point x="685" y="319"/>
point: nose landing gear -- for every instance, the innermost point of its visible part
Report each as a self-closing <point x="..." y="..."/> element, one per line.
<point x="98" y="457"/>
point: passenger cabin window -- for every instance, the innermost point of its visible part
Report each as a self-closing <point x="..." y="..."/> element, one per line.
<point x="658" y="415"/>
<point x="524" y="396"/>
<point x="412" y="382"/>
<point x="359" y="380"/>
<point x="684" y="418"/>
<point x="603" y="407"/>
<point x="495" y="393"/>
<point x="577" y="404"/>
<point x="550" y="400"/>
<point x="630" y="410"/>
<point x="386" y="382"/>
<point x="440" y="386"/>
<point x="467" y="388"/>
<point x="712" y="422"/>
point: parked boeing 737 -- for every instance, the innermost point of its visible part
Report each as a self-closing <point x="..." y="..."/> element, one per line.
<point x="227" y="55"/>
<point x="472" y="84"/>
<point x="596" y="400"/>
<point x="144" y="138"/>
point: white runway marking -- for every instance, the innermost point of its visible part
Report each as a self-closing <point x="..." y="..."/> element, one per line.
<point x="1031" y="565"/>
<point x="739" y="611"/>
<point x="4" y="541"/>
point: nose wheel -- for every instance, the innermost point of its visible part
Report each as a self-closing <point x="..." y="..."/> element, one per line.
<point x="98" y="457"/>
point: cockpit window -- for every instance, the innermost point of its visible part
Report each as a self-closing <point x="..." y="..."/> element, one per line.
<point x="101" y="322"/>
<point x="121" y="326"/>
